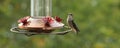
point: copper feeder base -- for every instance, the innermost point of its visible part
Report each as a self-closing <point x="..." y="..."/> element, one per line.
<point x="36" y="31"/>
<point x="37" y="26"/>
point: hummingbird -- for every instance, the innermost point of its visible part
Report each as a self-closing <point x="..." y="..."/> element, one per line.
<point x="72" y="24"/>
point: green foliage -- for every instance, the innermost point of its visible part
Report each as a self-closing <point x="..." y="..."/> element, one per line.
<point x="98" y="21"/>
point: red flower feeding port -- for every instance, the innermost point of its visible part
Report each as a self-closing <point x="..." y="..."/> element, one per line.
<point x="42" y="22"/>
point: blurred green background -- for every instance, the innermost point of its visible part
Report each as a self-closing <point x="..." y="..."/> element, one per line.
<point x="98" y="21"/>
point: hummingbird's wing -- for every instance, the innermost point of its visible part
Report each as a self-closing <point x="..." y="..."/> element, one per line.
<point x="73" y="26"/>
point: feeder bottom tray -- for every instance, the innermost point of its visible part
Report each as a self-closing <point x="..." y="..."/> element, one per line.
<point x="35" y="31"/>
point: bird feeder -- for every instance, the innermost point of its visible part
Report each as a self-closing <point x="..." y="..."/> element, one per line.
<point x="40" y="21"/>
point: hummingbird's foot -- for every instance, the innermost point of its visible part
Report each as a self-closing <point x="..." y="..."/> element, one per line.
<point x="67" y="27"/>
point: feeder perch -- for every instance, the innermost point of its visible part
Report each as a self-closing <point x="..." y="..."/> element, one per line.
<point x="41" y="21"/>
